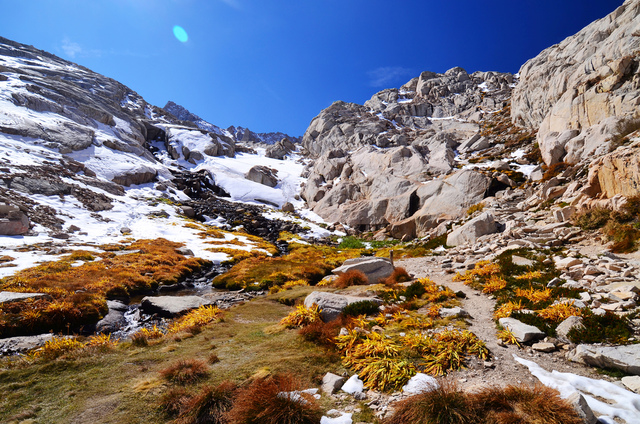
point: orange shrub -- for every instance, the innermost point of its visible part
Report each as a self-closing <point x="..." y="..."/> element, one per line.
<point x="351" y="278"/>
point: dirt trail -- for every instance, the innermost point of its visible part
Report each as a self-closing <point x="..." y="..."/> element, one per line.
<point x="480" y="307"/>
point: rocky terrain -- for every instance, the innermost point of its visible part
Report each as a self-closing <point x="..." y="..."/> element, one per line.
<point x="511" y="200"/>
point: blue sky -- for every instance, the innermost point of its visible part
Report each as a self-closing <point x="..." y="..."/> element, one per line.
<point x="273" y="65"/>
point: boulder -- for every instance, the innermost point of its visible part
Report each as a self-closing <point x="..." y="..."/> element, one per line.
<point x="523" y="332"/>
<point x="13" y="222"/>
<point x="332" y="304"/>
<point x="114" y="319"/>
<point x="618" y="172"/>
<point x="288" y="207"/>
<point x="171" y="306"/>
<point x="331" y="383"/>
<point x="375" y="269"/>
<point x="470" y="231"/>
<point x="281" y="149"/>
<point x="543" y="347"/>
<point x="6" y="296"/>
<point x="13" y="345"/>
<point x="565" y="326"/>
<point x="141" y="174"/>
<point x="625" y="358"/>
<point x="632" y="383"/>
<point x="454" y="312"/>
<point x="263" y="175"/>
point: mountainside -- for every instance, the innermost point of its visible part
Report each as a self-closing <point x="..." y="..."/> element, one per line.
<point x="239" y="134"/>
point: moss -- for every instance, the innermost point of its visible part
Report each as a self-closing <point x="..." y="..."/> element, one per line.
<point x="606" y="328"/>
<point x="363" y="307"/>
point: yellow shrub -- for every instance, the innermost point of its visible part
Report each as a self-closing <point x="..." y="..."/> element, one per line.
<point x="534" y="295"/>
<point x="301" y="316"/>
<point x="506" y="309"/>
<point x="57" y="347"/>
<point x="529" y="275"/>
<point x="559" y="311"/>
<point x="195" y="319"/>
<point x="494" y="284"/>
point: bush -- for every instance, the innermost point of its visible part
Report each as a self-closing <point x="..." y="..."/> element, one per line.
<point x="593" y="219"/>
<point x="211" y="405"/>
<point x="597" y="329"/>
<point x="513" y="404"/>
<point x="186" y="371"/>
<point x="363" y="307"/>
<point x="399" y="275"/>
<point x="446" y="404"/>
<point x="276" y="400"/>
<point x="415" y="290"/>
<point x="351" y="278"/>
<point x="301" y="317"/>
<point x="478" y="207"/>
<point x="351" y="242"/>
<point x="323" y="333"/>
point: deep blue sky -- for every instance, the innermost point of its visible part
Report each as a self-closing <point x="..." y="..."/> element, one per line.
<point x="272" y="65"/>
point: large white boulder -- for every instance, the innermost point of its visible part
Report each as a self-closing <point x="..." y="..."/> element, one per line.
<point x="470" y="231"/>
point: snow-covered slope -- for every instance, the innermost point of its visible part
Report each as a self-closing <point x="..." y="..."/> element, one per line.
<point x="89" y="162"/>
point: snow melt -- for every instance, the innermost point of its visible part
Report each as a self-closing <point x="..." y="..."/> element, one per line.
<point x="618" y="402"/>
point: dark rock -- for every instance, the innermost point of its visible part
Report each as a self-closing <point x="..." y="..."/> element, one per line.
<point x="13" y="221"/>
<point x="263" y="175"/>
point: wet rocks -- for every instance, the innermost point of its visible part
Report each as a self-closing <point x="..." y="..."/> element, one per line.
<point x="114" y="319"/>
<point x="171" y="306"/>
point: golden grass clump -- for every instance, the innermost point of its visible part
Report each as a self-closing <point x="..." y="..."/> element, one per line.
<point x="508" y="337"/>
<point x="77" y="294"/>
<point x="494" y="284"/>
<point x="142" y="336"/>
<point x="196" y="319"/>
<point x="478" y="207"/>
<point x="506" y="309"/>
<point x="559" y="311"/>
<point x="533" y="295"/>
<point x="301" y="316"/>
<point x="399" y="275"/>
<point x="60" y="346"/>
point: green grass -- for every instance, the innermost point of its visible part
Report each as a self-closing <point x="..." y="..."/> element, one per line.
<point x="126" y="386"/>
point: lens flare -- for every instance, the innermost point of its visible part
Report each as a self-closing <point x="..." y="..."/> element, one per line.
<point x="180" y="34"/>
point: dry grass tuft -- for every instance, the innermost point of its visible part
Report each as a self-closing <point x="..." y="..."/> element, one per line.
<point x="186" y="371"/>
<point x="276" y="400"/>
<point x="449" y="405"/>
<point x="351" y="278"/>
<point x="399" y="275"/>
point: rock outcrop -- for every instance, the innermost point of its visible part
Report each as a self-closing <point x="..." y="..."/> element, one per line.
<point x="583" y="93"/>
<point x="13" y="221"/>
<point x="384" y="164"/>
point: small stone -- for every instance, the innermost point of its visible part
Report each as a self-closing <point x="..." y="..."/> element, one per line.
<point x="632" y="383"/>
<point x="331" y="383"/>
<point x="544" y="347"/>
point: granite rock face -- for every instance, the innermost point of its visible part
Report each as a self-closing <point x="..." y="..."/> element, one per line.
<point x="584" y="92"/>
<point x="378" y="164"/>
